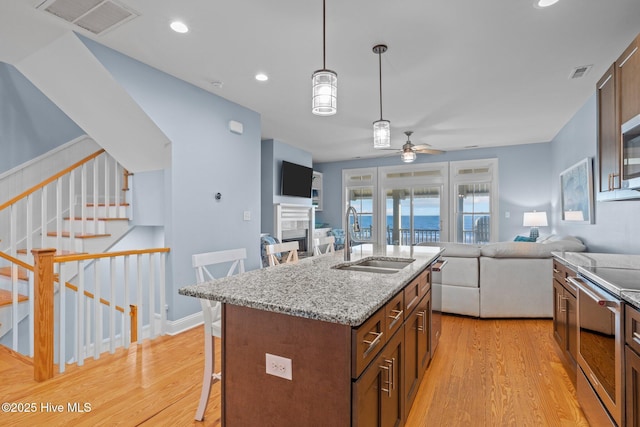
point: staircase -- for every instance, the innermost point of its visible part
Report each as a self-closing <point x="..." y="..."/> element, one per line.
<point x="88" y="213"/>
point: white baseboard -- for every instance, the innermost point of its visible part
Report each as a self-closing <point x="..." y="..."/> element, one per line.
<point x="175" y="327"/>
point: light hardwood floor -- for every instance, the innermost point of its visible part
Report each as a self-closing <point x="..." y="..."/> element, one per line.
<point x="485" y="373"/>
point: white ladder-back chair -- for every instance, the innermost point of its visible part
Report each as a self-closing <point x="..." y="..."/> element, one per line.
<point x="274" y="250"/>
<point x="328" y="241"/>
<point x="212" y="314"/>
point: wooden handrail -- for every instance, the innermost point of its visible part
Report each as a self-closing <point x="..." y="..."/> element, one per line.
<point x="51" y="179"/>
<point x="16" y="261"/>
<point x="57" y="279"/>
<point x="84" y="257"/>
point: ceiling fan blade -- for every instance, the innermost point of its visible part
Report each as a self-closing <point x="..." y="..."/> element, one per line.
<point x="425" y="150"/>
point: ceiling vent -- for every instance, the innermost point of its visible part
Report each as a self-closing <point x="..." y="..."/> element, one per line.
<point x="95" y="16"/>
<point x="580" y="71"/>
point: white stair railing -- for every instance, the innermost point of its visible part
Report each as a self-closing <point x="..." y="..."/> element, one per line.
<point x="88" y="325"/>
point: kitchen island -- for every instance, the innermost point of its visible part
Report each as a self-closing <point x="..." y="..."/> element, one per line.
<point x="342" y="346"/>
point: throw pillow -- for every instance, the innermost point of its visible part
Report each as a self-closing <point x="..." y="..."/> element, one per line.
<point x="523" y="239"/>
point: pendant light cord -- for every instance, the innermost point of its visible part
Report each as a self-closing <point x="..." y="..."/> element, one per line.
<point x="380" y="70"/>
<point x="324" y="54"/>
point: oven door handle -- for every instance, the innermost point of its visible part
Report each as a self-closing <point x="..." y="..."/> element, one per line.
<point x="610" y="304"/>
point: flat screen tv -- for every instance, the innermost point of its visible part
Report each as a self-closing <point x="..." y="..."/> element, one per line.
<point x="296" y="180"/>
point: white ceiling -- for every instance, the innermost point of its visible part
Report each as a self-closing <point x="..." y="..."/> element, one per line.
<point x="458" y="73"/>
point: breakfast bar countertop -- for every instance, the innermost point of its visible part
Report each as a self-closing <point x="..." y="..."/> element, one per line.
<point x="311" y="288"/>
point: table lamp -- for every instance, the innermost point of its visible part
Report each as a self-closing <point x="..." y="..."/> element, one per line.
<point x="534" y="220"/>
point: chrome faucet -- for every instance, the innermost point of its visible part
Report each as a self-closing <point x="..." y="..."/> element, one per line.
<point x="347" y="236"/>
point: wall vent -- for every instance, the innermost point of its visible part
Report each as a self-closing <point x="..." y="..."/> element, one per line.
<point x="95" y="16"/>
<point x="581" y="71"/>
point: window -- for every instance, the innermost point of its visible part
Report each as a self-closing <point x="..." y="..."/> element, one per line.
<point x="474" y="184"/>
<point x="359" y="186"/>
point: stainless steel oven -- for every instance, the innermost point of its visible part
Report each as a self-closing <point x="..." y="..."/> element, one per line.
<point x="600" y="346"/>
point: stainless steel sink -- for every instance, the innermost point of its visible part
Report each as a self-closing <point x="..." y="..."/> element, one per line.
<point x="377" y="265"/>
<point x="385" y="263"/>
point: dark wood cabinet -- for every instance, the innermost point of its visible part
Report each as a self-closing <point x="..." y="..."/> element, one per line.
<point x="632" y="366"/>
<point x="628" y="81"/>
<point x="417" y="349"/>
<point x="609" y="144"/>
<point x="565" y="316"/>
<point x="377" y="394"/>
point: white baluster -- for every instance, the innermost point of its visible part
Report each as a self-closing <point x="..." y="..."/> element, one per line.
<point x="14" y="276"/>
<point x="139" y="297"/>
<point x="59" y="215"/>
<point x="127" y="309"/>
<point x="106" y="187"/>
<point x="43" y="217"/>
<point x="72" y="196"/>
<point x="31" y="311"/>
<point x="62" y="274"/>
<point x="161" y="289"/>
<point x="29" y="229"/>
<point x="151" y="304"/>
<point x="83" y="198"/>
<point x="80" y="321"/>
<point x="95" y="193"/>
<point x="116" y="188"/>
<point x="97" y="309"/>
<point x="112" y="307"/>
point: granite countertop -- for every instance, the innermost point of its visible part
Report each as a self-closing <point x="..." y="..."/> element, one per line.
<point x="311" y="288"/>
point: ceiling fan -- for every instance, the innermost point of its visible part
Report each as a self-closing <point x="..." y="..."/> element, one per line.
<point x="409" y="150"/>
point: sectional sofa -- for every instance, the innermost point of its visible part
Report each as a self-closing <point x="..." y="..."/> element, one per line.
<point x="498" y="280"/>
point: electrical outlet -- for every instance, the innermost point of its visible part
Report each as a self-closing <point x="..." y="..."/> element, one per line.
<point x="246" y="215"/>
<point x="278" y="366"/>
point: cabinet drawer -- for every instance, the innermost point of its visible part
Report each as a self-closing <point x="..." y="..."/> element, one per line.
<point x="425" y="282"/>
<point x="412" y="295"/>
<point x="561" y="273"/>
<point x="394" y="314"/>
<point x="367" y="340"/>
<point x="632" y="328"/>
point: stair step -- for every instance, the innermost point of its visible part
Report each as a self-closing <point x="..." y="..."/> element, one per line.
<point x="6" y="298"/>
<point x="78" y="235"/>
<point x="107" y="204"/>
<point x="22" y="273"/>
<point x="8" y="354"/>
<point x="62" y="252"/>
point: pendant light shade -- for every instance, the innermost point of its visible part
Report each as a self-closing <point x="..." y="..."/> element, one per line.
<point x="325" y="93"/>
<point x="382" y="134"/>
<point x="381" y="128"/>
<point x="324" y="83"/>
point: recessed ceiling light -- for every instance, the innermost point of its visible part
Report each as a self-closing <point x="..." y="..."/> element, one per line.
<point x="546" y="3"/>
<point x="179" y="27"/>
<point x="262" y="77"/>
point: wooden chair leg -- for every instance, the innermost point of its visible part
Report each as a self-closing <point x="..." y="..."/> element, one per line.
<point x="208" y="376"/>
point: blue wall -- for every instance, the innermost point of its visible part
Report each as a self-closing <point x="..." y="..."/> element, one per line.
<point x="273" y="153"/>
<point x="616" y="229"/>
<point x="30" y="124"/>
<point x="524" y="182"/>
<point x="206" y="158"/>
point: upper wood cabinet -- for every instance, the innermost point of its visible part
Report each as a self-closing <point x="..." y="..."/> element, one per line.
<point x="618" y="100"/>
<point x="628" y="80"/>
<point x="609" y="144"/>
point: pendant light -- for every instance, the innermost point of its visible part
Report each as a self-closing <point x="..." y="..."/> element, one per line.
<point x="381" y="128"/>
<point x="324" y="83"/>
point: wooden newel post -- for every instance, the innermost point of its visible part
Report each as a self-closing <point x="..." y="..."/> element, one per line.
<point x="43" y="314"/>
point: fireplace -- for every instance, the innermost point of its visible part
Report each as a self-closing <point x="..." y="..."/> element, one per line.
<point x="295" y="223"/>
<point x="300" y="236"/>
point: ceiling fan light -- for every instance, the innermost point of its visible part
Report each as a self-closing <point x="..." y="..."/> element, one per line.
<point x="408" y="155"/>
<point x="382" y="134"/>
<point x="324" y="98"/>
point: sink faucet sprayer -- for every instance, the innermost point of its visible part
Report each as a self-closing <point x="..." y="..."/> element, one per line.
<point x="347" y="236"/>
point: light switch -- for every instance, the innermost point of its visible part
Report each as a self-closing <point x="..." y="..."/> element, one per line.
<point x="247" y="215"/>
<point x="507" y="214"/>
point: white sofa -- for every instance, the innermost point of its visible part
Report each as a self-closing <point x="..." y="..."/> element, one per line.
<point x="506" y="279"/>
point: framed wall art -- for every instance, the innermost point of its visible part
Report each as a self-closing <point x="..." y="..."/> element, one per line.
<point x="576" y="192"/>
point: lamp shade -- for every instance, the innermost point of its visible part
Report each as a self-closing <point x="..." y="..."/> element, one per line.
<point x="325" y="93"/>
<point x="408" y="155"/>
<point x="535" y="219"/>
<point x="382" y="134"/>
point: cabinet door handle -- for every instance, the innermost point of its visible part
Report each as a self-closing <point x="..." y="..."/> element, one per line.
<point x="613" y="180"/>
<point x="388" y="381"/>
<point x="555" y="270"/>
<point x="374" y="342"/>
<point x="609" y="186"/>
<point x="563" y="307"/>
<point x="420" y="314"/>
<point x="636" y="337"/>
<point x="393" y="372"/>
<point x="398" y="315"/>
